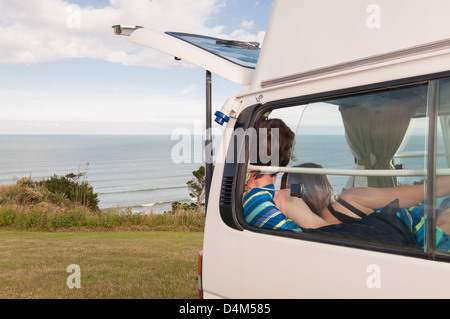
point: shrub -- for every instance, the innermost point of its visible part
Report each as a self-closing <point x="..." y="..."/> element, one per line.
<point x="28" y="192"/>
<point x="70" y="186"/>
<point x="26" y="182"/>
<point x="7" y="216"/>
<point x="28" y="195"/>
<point x="176" y="206"/>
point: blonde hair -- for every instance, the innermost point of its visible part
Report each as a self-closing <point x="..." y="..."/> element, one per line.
<point x="317" y="190"/>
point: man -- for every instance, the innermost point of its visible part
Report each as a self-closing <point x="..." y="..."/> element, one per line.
<point x="260" y="209"/>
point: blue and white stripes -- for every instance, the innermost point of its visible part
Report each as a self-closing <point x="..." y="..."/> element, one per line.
<point x="260" y="210"/>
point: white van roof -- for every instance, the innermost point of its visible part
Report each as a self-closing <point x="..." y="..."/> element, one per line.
<point x="309" y="38"/>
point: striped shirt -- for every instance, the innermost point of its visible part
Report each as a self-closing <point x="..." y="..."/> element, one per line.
<point x="415" y="219"/>
<point x="260" y="210"/>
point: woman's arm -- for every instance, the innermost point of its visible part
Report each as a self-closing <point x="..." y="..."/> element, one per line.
<point x="295" y="209"/>
<point x="442" y="186"/>
<point x="368" y="198"/>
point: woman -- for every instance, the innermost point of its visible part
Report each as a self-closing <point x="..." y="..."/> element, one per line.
<point x="405" y="204"/>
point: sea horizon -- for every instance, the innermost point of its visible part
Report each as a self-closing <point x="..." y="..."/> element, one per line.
<point x="125" y="170"/>
<point x="137" y="170"/>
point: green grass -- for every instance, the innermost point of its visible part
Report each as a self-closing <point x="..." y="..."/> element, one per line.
<point x="124" y="264"/>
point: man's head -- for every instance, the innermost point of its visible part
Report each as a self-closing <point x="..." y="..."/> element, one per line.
<point x="274" y="143"/>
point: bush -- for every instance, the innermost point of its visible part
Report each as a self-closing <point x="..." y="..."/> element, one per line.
<point x="26" y="182"/>
<point x="7" y="216"/>
<point x="176" y="206"/>
<point x="27" y="192"/>
<point x="70" y="186"/>
<point x="28" y="195"/>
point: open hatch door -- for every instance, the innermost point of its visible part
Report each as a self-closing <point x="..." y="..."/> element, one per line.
<point x="233" y="60"/>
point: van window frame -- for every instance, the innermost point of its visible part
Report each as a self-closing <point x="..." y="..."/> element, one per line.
<point x="241" y="168"/>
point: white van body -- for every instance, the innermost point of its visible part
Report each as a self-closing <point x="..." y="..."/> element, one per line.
<point x="317" y="50"/>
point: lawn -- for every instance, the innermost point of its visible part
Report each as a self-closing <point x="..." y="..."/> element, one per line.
<point x="113" y="264"/>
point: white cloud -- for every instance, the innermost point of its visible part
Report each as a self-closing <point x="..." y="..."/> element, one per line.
<point x="247" y="24"/>
<point x="38" y="111"/>
<point x="245" y="35"/>
<point x="189" y="89"/>
<point x="69" y="106"/>
<point x="43" y="31"/>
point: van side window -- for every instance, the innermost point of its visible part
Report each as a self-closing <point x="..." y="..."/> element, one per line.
<point x="360" y="166"/>
<point x="443" y="157"/>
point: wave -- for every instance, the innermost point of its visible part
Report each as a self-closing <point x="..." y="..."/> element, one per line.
<point x="142" y="190"/>
<point x="163" y="203"/>
<point x="155" y="207"/>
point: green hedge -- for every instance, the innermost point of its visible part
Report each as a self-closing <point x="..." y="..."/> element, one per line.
<point x="50" y="218"/>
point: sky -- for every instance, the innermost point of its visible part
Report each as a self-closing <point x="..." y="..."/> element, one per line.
<point x="64" y="71"/>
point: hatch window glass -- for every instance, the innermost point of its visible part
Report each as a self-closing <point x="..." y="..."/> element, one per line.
<point x="243" y="53"/>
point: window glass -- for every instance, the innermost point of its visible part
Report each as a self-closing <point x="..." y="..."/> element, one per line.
<point x="442" y="206"/>
<point x="412" y="153"/>
<point x="245" y="54"/>
<point x="384" y="131"/>
<point x="320" y="139"/>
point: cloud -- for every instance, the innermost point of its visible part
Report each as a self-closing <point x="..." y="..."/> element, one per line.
<point x="69" y="106"/>
<point x="63" y="112"/>
<point x="189" y="89"/>
<point x="44" y="31"/>
<point x="247" y="24"/>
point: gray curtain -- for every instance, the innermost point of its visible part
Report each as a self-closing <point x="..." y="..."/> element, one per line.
<point x="374" y="135"/>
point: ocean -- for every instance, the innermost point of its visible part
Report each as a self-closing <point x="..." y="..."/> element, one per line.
<point x="125" y="171"/>
<point x="138" y="171"/>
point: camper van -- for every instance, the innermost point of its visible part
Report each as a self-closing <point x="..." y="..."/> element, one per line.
<point x="365" y="87"/>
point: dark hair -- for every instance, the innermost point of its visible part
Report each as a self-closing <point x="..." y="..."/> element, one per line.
<point x="317" y="190"/>
<point x="284" y="142"/>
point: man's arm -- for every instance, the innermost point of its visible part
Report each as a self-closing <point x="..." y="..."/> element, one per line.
<point x="261" y="211"/>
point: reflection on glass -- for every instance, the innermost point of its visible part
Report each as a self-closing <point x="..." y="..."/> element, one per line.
<point x="243" y="53"/>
